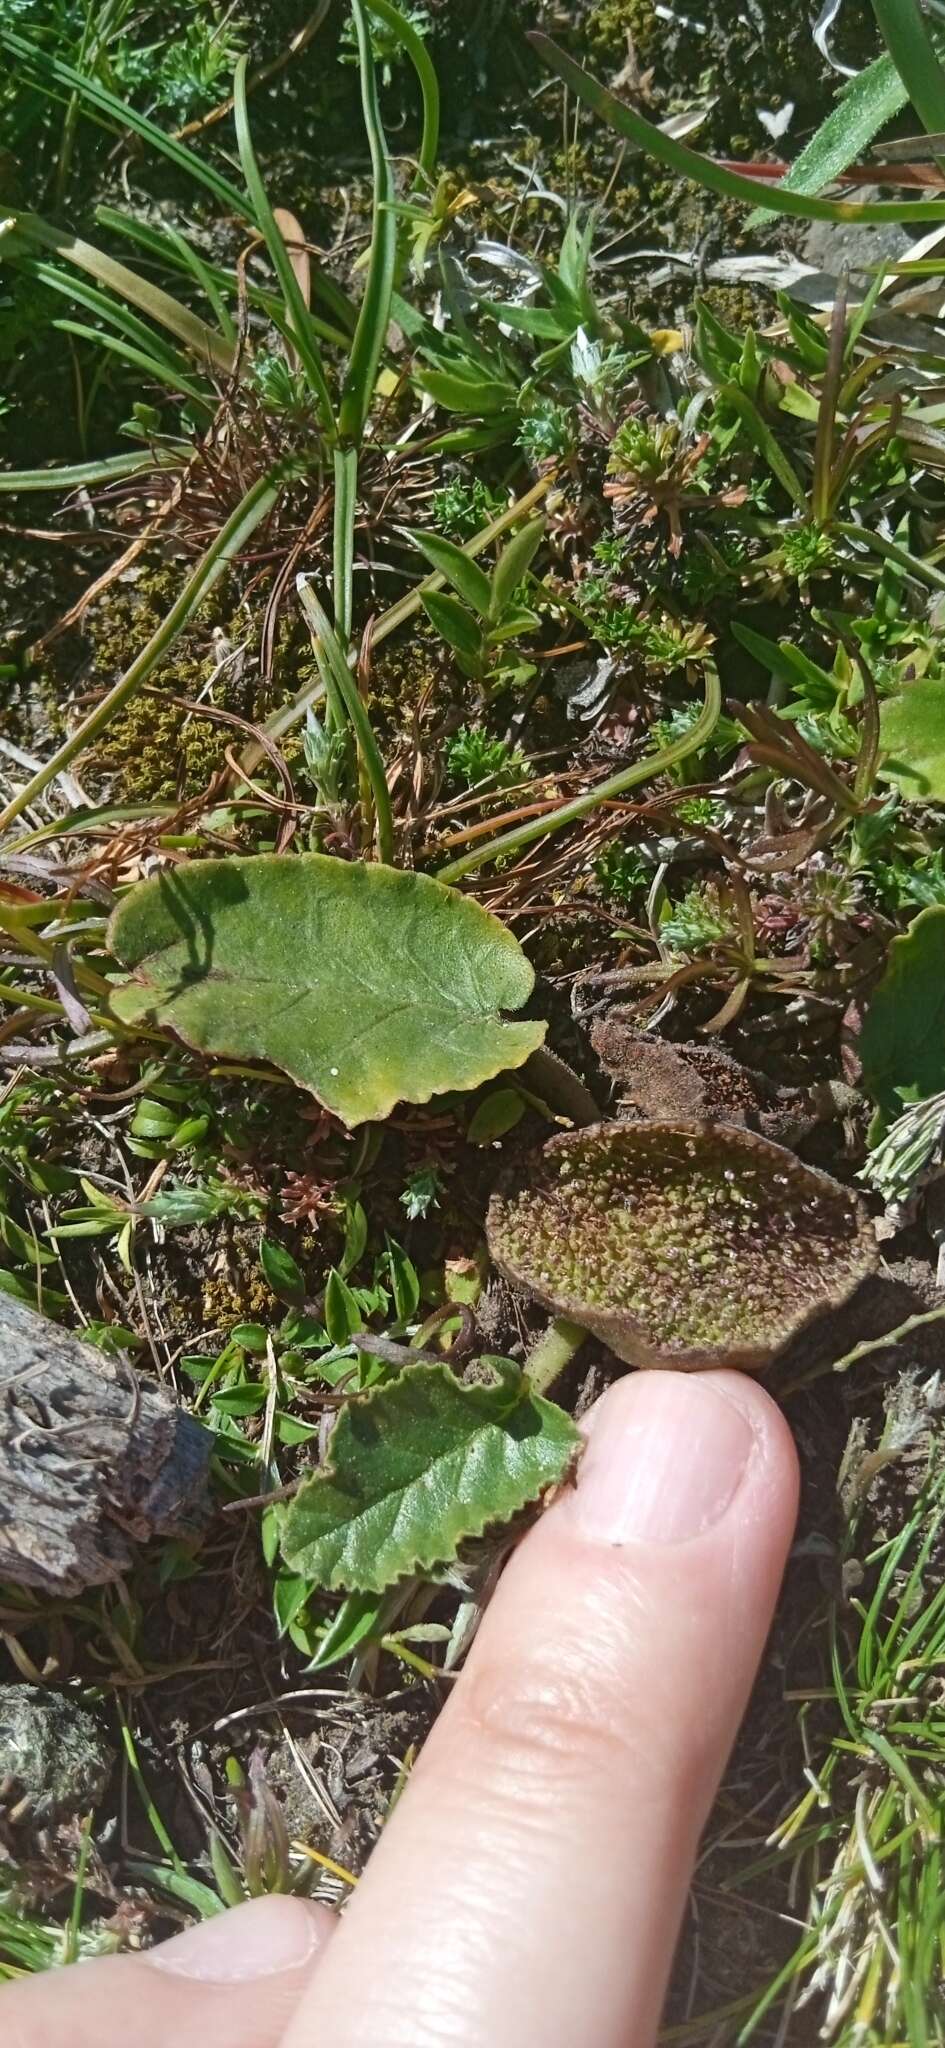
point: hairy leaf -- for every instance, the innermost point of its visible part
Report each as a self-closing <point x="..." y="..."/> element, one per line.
<point x="681" y="1245"/>
<point x="418" y="1466"/>
<point x="369" y="986"/>
<point x="912" y="737"/>
<point x="870" y="100"/>
<point x="902" y="1043"/>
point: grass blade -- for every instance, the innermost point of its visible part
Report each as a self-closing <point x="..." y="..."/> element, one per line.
<point x="47" y="71"/>
<point x="371" y="331"/>
<point x="330" y="653"/>
<point x="614" y="785"/>
<point x="303" y="338"/>
<point x="865" y="106"/>
<point x="249" y="513"/>
<point x="429" y="84"/>
<point x="702" y="170"/>
<point x="78" y="476"/>
<point x="905" y="33"/>
<point x="139" y="359"/>
<point x="202" y="341"/>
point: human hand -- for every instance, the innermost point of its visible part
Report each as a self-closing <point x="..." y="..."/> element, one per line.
<point x="528" y="1890"/>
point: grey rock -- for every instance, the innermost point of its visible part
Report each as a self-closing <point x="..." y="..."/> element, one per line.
<point x="53" y="1755"/>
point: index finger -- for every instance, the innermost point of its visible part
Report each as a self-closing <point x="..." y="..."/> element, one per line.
<point x="529" y="1888"/>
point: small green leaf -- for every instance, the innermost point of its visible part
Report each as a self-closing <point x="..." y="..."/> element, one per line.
<point x="250" y="1337"/>
<point x="454" y="623"/>
<point x="539" y="321"/>
<point x="469" y="581"/>
<point x="358" y="1617"/>
<point x="404" y="1282"/>
<point x="912" y="738"/>
<point x="513" y="564"/>
<point x="502" y="1109"/>
<point x="356" y="1235"/>
<point x="368" y="985"/>
<point x="483" y="396"/>
<point x="281" y="1272"/>
<point x="342" y="1314"/>
<point x="415" y="1468"/>
<point x="902" y="1043"/>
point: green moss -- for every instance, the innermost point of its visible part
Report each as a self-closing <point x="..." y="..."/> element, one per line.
<point x="153" y="749"/>
<point x="611" y="22"/>
<point x="681" y="1239"/>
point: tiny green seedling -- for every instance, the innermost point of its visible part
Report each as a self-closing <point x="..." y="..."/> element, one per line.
<point x="481" y="617"/>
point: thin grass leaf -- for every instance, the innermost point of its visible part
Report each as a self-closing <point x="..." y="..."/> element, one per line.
<point x="78" y="291"/>
<point x="303" y="338"/>
<point x="78" y="476"/>
<point x="370" y="334"/>
<point x="867" y="104"/>
<point x="429" y="84"/>
<point x="766" y="444"/>
<point x="160" y="244"/>
<point x="715" y="177"/>
<point x="507" y="843"/>
<point x="139" y="359"/>
<point x="45" y="70"/>
<point x="225" y="548"/>
<point x="345" y="466"/>
<point x="330" y="653"/>
<point x="906" y="35"/>
<point x="203" y="341"/>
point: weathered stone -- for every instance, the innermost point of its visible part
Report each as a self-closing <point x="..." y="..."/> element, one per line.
<point x="91" y="1459"/>
<point x="55" y="1760"/>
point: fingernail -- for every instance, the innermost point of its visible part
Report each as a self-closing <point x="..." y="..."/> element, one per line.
<point x="257" y="1940"/>
<point x="663" y="1462"/>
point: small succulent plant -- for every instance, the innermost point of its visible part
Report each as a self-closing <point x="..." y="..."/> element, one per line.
<point x="684" y="1244"/>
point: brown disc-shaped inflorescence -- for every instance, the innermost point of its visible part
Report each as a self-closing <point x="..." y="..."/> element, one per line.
<point x="681" y="1244"/>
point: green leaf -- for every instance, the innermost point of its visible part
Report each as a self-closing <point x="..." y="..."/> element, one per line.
<point x="415" y="1468"/>
<point x="908" y="39"/>
<point x="342" y="1314"/>
<point x="790" y="663"/>
<point x="404" y="1282"/>
<point x="281" y="1272"/>
<point x="468" y="580"/>
<point x="760" y="433"/>
<point x="514" y="563"/>
<point x="299" y="319"/>
<point x="370" y="334"/>
<point x="501" y="1110"/>
<point x="358" y="1617"/>
<point x="369" y="986"/>
<point x="454" y="623"/>
<point x="716" y="177"/>
<point x="912" y="738"/>
<point x="481" y="395"/>
<point x="867" y="103"/>
<point x="902" y="1043"/>
<point x="542" y="322"/>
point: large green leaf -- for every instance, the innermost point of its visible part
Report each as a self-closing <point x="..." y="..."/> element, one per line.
<point x="902" y="1043"/>
<point x="368" y="985"/>
<point x="418" y="1466"/>
<point x="912" y="738"/>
